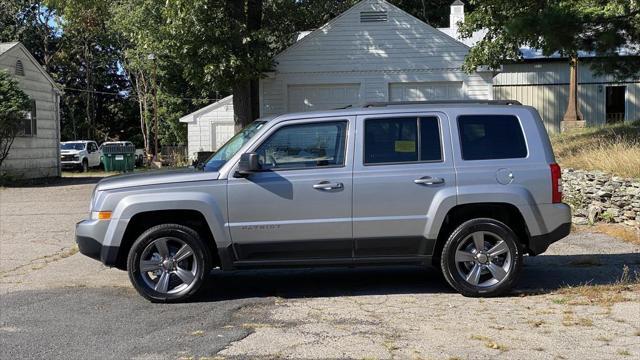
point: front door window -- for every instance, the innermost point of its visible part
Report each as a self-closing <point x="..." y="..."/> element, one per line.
<point x="305" y="146"/>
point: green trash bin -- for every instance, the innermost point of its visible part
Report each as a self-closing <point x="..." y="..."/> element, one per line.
<point x="118" y="157"/>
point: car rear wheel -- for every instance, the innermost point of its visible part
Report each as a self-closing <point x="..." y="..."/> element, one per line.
<point x="168" y="263"/>
<point x="482" y="257"/>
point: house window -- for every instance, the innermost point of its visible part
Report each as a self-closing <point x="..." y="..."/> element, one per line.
<point x="30" y="122"/>
<point x="19" y="68"/>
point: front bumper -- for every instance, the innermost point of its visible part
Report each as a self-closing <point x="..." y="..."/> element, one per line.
<point x="89" y="235"/>
<point x="71" y="164"/>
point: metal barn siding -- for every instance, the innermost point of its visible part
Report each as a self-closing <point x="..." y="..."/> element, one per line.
<point x="545" y="86"/>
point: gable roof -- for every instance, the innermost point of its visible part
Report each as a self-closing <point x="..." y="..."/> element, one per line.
<point x="309" y="35"/>
<point x="4" y="49"/>
<point x="347" y="43"/>
<point x="194" y="115"/>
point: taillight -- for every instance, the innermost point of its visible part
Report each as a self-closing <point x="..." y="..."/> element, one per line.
<point x="556" y="183"/>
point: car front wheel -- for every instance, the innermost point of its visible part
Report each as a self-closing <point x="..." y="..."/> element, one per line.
<point x="168" y="263"/>
<point x="482" y="258"/>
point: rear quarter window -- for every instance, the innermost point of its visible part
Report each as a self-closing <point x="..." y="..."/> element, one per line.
<point x="487" y="137"/>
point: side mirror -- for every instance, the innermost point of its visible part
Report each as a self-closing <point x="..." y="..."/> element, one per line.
<point x="248" y="165"/>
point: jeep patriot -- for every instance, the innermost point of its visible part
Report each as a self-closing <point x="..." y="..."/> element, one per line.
<point x="465" y="187"/>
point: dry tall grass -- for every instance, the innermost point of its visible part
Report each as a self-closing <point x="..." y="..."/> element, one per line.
<point x="614" y="149"/>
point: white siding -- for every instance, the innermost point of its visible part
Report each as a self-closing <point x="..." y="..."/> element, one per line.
<point x="545" y="86"/>
<point x="372" y="54"/>
<point x="210" y="130"/>
<point x="38" y="155"/>
<point x="319" y="97"/>
<point x="410" y="91"/>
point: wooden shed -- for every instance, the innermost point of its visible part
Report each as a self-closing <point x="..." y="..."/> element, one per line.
<point x="36" y="150"/>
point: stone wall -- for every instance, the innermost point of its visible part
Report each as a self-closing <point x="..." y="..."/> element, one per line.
<point x="596" y="196"/>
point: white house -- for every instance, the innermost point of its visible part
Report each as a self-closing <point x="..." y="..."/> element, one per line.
<point x="210" y="127"/>
<point x="36" y="150"/>
<point x="372" y="52"/>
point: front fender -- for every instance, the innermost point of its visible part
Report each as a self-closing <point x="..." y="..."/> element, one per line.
<point x="131" y="205"/>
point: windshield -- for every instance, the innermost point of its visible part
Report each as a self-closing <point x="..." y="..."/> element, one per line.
<point x="72" y="146"/>
<point x="226" y="152"/>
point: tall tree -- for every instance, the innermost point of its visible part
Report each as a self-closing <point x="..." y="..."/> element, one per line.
<point x="88" y="65"/>
<point x="565" y="27"/>
<point x="13" y="105"/>
<point x="33" y="23"/>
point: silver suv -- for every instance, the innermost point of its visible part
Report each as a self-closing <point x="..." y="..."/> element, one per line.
<point x="466" y="187"/>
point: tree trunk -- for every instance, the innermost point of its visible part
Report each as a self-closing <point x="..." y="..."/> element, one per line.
<point x="138" y="78"/>
<point x="254" y="15"/>
<point x="573" y="117"/>
<point x="254" y="23"/>
<point x="242" y="111"/>
<point x="246" y="100"/>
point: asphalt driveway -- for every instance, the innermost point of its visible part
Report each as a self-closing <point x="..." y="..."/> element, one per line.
<point x="55" y="303"/>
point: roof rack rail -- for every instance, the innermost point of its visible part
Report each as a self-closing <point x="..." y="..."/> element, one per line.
<point x="442" y="102"/>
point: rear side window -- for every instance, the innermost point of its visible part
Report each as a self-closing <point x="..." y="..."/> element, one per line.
<point x="402" y="140"/>
<point x="484" y="137"/>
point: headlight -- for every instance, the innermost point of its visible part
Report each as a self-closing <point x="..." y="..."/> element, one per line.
<point x="100" y="215"/>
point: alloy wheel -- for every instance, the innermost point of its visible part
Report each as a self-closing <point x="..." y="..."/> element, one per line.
<point x="483" y="259"/>
<point x="168" y="266"/>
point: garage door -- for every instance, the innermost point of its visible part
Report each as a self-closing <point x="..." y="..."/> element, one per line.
<point x="221" y="133"/>
<point x="425" y="91"/>
<point x="322" y="97"/>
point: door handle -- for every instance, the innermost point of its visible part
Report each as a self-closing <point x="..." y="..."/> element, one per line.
<point x="326" y="186"/>
<point x="428" y="180"/>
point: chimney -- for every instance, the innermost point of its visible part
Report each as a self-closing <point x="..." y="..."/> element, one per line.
<point x="456" y="16"/>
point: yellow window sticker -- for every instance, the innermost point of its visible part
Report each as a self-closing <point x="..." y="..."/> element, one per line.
<point x="405" y="146"/>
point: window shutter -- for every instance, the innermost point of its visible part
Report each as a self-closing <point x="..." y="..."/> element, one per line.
<point x="34" y="118"/>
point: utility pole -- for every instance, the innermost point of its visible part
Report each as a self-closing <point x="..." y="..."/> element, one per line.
<point x="152" y="57"/>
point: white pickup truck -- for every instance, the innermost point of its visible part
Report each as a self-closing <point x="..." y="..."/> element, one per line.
<point x="79" y="154"/>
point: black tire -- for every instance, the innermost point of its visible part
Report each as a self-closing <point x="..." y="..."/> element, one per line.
<point x="201" y="260"/>
<point x="492" y="230"/>
<point x="85" y="166"/>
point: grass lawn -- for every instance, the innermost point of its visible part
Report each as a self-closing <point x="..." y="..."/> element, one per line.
<point x="613" y="148"/>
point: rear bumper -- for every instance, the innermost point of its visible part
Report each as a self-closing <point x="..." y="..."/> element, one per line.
<point x="88" y="237"/>
<point x="540" y="243"/>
